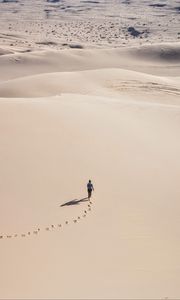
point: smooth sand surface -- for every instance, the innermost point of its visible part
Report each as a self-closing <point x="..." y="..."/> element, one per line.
<point x="110" y="114"/>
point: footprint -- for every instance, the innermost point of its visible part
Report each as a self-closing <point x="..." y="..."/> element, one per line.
<point x="52" y="226"/>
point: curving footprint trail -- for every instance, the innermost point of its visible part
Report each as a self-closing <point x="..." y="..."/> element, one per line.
<point x="51" y="227"/>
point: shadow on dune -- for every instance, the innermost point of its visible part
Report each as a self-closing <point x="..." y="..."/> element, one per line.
<point x="75" y="202"/>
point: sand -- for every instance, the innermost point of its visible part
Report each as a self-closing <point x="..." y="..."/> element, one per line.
<point x="74" y="107"/>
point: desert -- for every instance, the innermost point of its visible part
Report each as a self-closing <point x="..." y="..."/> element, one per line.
<point x="89" y="90"/>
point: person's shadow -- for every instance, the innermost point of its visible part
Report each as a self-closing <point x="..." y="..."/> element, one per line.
<point x="75" y="202"/>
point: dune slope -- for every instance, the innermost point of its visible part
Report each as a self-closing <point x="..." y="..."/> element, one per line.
<point x="103" y="115"/>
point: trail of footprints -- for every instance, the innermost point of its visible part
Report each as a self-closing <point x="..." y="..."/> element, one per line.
<point x="48" y="228"/>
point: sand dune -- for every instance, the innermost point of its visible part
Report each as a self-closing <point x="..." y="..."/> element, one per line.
<point x="100" y="125"/>
<point x="157" y="60"/>
<point x="106" y="82"/>
<point x="130" y="241"/>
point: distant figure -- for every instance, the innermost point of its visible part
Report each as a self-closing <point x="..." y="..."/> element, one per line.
<point x="90" y="188"/>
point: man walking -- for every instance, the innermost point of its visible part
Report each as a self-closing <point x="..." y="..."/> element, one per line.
<point x="90" y="188"/>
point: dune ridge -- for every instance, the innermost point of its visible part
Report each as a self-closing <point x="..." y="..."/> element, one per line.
<point x="98" y="82"/>
<point x="148" y="59"/>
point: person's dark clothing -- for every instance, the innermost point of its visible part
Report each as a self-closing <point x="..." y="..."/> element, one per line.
<point x="90" y="188"/>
